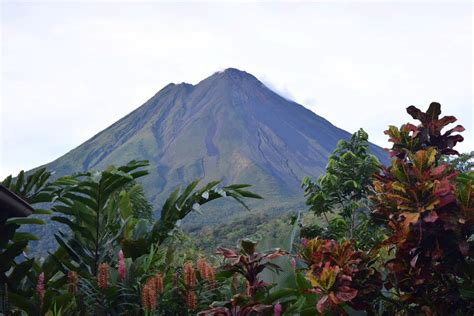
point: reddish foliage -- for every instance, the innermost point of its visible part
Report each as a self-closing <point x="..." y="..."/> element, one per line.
<point x="250" y="263"/>
<point x="411" y="138"/>
<point x="333" y="269"/>
<point x="416" y="197"/>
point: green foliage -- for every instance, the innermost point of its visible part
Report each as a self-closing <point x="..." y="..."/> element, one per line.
<point x="427" y="211"/>
<point x="90" y="204"/>
<point x="34" y="188"/>
<point x="414" y="256"/>
<point x="343" y="191"/>
<point x="268" y="229"/>
<point x="463" y="163"/>
<point x="139" y="203"/>
<point x="367" y="232"/>
<point x="14" y="266"/>
<point x="104" y="212"/>
<point x="178" y="205"/>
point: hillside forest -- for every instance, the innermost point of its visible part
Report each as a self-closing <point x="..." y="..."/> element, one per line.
<point x="375" y="239"/>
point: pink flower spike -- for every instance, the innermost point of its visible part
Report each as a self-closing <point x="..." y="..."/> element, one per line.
<point x="277" y="310"/>
<point x="304" y="242"/>
<point x="293" y="263"/>
<point x="40" y="287"/>
<point x="121" y="265"/>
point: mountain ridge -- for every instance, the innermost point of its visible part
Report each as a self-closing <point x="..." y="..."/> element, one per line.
<point x="230" y="127"/>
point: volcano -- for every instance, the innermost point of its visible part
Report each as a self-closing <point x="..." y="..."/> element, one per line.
<point x="228" y="127"/>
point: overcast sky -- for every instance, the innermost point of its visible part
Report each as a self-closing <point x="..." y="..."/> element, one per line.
<point x="70" y="70"/>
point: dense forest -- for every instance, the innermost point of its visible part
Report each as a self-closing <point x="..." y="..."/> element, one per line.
<point x="375" y="240"/>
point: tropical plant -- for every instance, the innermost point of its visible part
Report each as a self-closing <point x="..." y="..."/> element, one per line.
<point x="339" y="274"/>
<point x="430" y="220"/>
<point x="247" y="263"/>
<point x="464" y="163"/>
<point x="109" y="254"/>
<point x="139" y="203"/>
<point x="15" y="265"/>
<point x="340" y="195"/>
<point x="96" y="215"/>
<point x="140" y="235"/>
<point x="99" y="211"/>
<point x="34" y="188"/>
<point x="410" y="138"/>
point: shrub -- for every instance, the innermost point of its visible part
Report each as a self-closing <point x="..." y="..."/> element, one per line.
<point x="429" y="224"/>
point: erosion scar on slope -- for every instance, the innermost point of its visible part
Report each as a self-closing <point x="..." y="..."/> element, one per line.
<point x="210" y="146"/>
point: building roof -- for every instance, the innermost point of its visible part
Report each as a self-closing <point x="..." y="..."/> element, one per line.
<point x="11" y="205"/>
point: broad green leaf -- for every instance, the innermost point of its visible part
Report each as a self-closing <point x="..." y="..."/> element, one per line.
<point x="125" y="205"/>
<point x="40" y="211"/>
<point x="22" y="236"/>
<point x="25" y="220"/>
<point x="301" y="282"/>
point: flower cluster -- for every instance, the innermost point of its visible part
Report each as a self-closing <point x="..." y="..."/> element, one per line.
<point x="121" y="265"/>
<point x="72" y="282"/>
<point x="149" y="294"/>
<point x="159" y="283"/>
<point x="40" y="290"/>
<point x="191" y="300"/>
<point x="206" y="271"/>
<point x="102" y="276"/>
<point x="189" y="278"/>
<point x="152" y="287"/>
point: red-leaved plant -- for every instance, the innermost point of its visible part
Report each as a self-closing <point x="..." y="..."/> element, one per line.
<point x="339" y="274"/>
<point x="429" y="226"/>
<point x="248" y="263"/>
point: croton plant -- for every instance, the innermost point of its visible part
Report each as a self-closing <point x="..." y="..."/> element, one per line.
<point x="429" y="216"/>
<point x="339" y="274"/>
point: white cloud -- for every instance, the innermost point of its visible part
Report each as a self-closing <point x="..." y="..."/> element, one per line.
<point x="71" y="69"/>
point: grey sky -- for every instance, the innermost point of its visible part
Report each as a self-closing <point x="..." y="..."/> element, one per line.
<point x="70" y="70"/>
